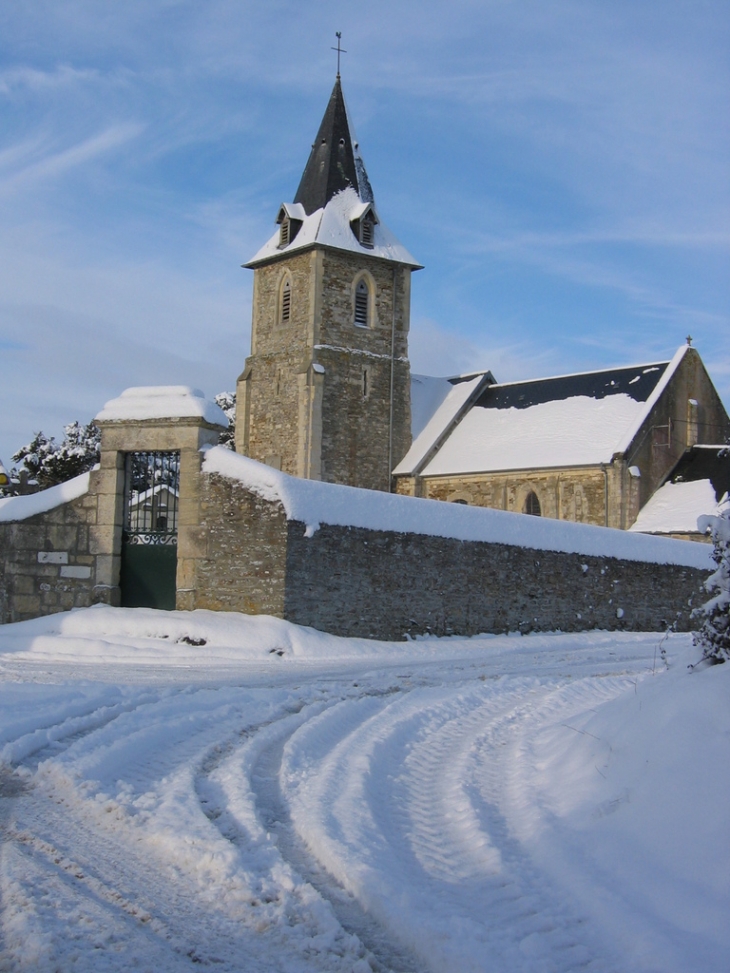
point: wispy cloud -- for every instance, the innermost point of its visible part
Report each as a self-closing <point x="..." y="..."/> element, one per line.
<point x="34" y="79"/>
<point x="26" y="168"/>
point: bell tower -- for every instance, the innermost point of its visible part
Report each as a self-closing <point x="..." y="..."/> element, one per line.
<point x="325" y="392"/>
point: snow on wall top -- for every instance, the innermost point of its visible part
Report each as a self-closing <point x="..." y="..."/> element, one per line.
<point x="676" y="507"/>
<point x="20" y="508"/>
<point x="162" y="402"/>
<point x="313" y="503"/>
<point x="331" y="227"/>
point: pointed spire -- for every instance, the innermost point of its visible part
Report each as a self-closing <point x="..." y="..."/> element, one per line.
<point x="334" y="162"/>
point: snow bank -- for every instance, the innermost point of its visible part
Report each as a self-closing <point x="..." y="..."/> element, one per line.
<point x="143" y="636"/>
<point x="634" y="791"/>
<point x="162" y="402"/>
<point x="676" y="507"/>
<point x="20" y="508"/>
<point x="331" y="226"/>
<point x="313" y="503"/>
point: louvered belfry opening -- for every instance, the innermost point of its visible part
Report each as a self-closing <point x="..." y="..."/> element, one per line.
<point x="362" y="297"/>
<point x="286" y="301"/>
<point x="366" y="232"/>
<point x="284" y="233"/>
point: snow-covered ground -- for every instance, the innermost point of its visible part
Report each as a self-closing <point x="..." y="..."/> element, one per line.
<point x="276" y="799"/>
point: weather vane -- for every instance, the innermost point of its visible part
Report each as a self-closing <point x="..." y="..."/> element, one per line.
<point x="340" y="50"/>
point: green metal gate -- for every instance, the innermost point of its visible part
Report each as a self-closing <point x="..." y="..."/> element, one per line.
<point x="149" y="539"/>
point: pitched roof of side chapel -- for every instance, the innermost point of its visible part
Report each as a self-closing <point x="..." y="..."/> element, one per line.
<point x="334" y="193"/>
<point x="699" y="483"/>
<point x="582" y="419"/>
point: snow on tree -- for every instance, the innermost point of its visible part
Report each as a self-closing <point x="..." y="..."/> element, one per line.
<point x="227" y="402"/>
<point x="714" y="635"/>
<point x="49" y="463"/>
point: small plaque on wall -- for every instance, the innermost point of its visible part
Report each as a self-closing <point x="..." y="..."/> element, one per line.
<point x="53" y="557"/>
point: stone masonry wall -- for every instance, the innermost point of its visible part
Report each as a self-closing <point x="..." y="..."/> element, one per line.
<point x="576" y="495"/>
<point x="269" y="413"/>
<point x="674" y="424"/>
<point x="385" y="585"/>
<point x="241" y="564"/>
<point x="47" y="564"/>
<point x="314" y="397"/>
<point x="356" y="398"/>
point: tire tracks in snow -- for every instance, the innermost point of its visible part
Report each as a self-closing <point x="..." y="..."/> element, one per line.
<point x="380" y="953"/>
<point x="387" y="796"/>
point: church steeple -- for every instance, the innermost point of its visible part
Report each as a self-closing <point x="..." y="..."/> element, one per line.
<point x="325" y="393"/>
<point x="334" y="163"/>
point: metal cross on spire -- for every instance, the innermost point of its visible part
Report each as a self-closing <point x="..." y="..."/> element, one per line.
<point x="340" y="50"/>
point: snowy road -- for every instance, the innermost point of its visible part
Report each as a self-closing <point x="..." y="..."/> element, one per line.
<point x="304" y="803"/>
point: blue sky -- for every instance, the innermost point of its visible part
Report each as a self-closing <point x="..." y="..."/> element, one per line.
<point x="561" y="169"/>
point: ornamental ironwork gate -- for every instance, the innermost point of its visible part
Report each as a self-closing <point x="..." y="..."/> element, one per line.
<point x="149" y="538"/>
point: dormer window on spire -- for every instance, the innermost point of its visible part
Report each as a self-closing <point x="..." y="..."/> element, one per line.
<point x="367" y="231"/>
<point x="363" y="225"/>
<point x="290" y="219"/>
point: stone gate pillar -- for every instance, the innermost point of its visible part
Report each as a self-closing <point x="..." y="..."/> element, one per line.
<point x="164" y="419"/>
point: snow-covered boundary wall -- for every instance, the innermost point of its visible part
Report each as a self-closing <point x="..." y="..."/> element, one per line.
<point x="355" y="562"/>
<point x="47" y="555"/>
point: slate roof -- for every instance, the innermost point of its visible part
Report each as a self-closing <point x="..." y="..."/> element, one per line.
<point x="334" y="162"/>
<point x="334" y="193"/>
<point x="704" y="463"/>
<point x="636" y="381"/>
<point x="583" y="419"/>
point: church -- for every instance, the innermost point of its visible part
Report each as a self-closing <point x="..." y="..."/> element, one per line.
<point x="327" y="392"/>
<point x="355" y="500"/>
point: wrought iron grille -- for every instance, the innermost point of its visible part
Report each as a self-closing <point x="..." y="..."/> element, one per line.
<point x="152" y="482"/>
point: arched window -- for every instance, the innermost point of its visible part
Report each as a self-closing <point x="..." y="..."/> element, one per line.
<point x="532" y="505"/>
<point x="285" y="301"/>
<point x="362" y="303"/>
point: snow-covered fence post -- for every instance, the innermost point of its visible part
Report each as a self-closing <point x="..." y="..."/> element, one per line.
<point x="714" y="635"/>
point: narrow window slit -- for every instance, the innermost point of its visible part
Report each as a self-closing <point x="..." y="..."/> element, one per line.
<point x="286" y="302"/>
<point x="362" y="300"/>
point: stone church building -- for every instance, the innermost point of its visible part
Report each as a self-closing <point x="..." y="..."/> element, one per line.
<point x="322" y="514"/>
<point x="327" y="393"/>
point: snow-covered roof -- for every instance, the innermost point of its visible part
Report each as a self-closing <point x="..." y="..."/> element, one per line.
<point x="334" y="192"/>
<point x="698" y="485"/>
<point x="162" y="402"/>
<point x="331" y="226"/>
<point x="313" y="503"/>
<point x="145" y="495"/>
<point x="427" y="394"/>
<point x="446" y="412"/>
<point x="582" y="419"/>
<point x="295" y="211"/>
<point x="20" y="508"/>
<point x="676" y="507"/>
